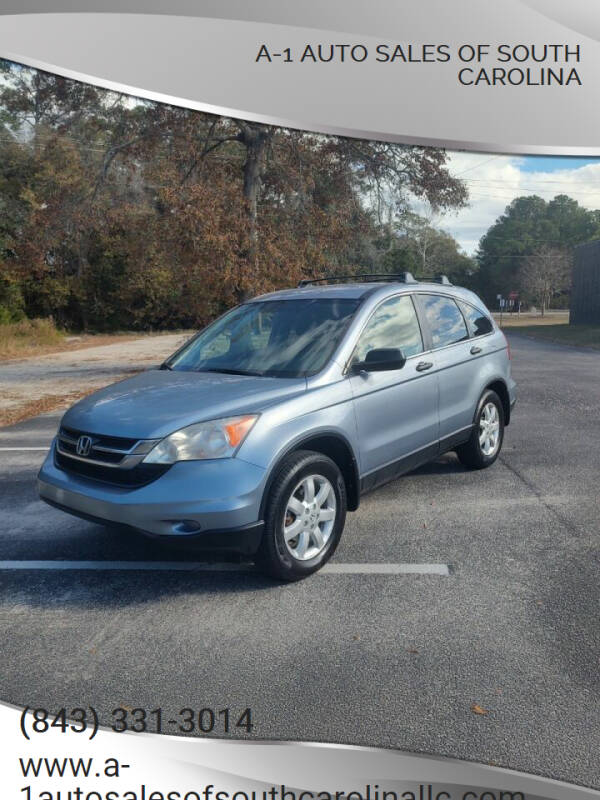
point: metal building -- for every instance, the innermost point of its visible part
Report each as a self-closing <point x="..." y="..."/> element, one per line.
<point x="585" y="291"/>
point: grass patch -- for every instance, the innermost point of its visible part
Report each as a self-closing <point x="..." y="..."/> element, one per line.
<point x="528" y="319"/>
<point x="575" y="335"/>
<point x="552" y="327"/>
<point x="21" y="338"/>
<point x="38" y="337"/>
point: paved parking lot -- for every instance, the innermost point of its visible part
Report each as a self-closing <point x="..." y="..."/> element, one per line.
<point x="397" y="660"/>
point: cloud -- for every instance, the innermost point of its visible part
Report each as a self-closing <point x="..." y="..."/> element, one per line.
<point x="494" y="181"/>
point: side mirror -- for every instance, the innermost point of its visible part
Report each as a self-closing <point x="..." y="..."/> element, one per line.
<point x="381" y="359"/>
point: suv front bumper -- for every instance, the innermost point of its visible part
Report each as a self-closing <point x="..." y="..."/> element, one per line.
<point x="216" y="503"/>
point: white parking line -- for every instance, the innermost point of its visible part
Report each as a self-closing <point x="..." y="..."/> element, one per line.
<point x="200" y="566"/>
<point x="386" y="569"/>
<point x="20" y="449"/>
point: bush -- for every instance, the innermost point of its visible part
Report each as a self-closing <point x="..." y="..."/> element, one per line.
<point x="11" y="302"/>
<point x="6" y="315"/>
<point x="17" y="338"/>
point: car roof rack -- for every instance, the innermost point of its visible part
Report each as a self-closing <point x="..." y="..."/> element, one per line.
<point x="443" y="279"/>
<point x="368" y="277"/>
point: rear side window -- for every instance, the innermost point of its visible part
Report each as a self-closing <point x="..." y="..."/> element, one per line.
<point x="393" y="324"/>
<point x="446" y="323"/>
<point x="479" y="324"/>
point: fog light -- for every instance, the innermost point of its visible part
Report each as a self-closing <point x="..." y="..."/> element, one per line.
<point x="187" y="526"/>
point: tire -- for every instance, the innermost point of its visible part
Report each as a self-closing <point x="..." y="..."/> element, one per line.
<point x="297" y="539"/>
<point x="481" y="451"/>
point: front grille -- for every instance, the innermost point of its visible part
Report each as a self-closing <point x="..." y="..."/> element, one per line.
<point x="137" y="476"/>
<point x="107" y="449"/>
<point x="118" y="442"/>
<point x="111" y="459"/>
<point x="69" y="448"/>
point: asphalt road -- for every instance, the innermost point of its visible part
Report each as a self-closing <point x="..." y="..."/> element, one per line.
<point x="390" y="660"/>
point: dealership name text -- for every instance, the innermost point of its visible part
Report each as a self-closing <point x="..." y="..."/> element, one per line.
<point x="480" y="64"/>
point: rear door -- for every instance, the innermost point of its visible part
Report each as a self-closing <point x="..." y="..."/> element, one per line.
<point x="396" y="411"/>
<point x="456" y="363"/>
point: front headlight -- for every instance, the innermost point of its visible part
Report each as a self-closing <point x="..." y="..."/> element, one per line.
<point x="218" y="438"/>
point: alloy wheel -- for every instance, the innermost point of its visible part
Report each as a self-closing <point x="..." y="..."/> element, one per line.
<point x="489" y="429"/>
<point x="309" y="517"/>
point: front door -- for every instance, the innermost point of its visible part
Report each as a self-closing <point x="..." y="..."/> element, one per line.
<point x="397" y="410"/>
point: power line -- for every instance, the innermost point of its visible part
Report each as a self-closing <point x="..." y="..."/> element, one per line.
<point x="503" y="181"/>
<point x="524" y="191"/>
<point x="498" y="195"/>
<point x="476" y="166"/>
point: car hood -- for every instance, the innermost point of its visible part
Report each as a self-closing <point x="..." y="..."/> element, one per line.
<point x="155" y="403"/>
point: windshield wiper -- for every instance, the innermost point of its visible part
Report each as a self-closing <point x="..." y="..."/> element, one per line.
<point x="224" y="371"/>
<point x="164" y="365"/>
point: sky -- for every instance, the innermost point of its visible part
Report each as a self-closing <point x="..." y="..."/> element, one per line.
<point x="495" y="180"/>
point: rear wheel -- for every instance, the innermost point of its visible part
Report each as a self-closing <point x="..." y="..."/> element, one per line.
<point x="304" y="518"/>
<point x="487" y="436"/>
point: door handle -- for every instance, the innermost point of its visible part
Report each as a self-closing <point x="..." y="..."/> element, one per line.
<point x="423" y="365"/>
<point x="475" y="350"/>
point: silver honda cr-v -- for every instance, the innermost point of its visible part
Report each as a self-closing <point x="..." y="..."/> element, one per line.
<point x="267" y="426"/>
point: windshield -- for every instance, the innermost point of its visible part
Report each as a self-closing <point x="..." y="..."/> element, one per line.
<point x="280" y="338"/>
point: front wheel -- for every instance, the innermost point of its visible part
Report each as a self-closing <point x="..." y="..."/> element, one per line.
<point x="305" y="516"/>
<point x="487" y="436"/>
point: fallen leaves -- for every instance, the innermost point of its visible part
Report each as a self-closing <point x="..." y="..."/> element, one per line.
<point x="49" y="402"/>
<point x="477" y="709"/>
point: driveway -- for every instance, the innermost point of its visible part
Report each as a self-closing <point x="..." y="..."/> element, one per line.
<point x="495" y="659"/>
<point x="49" y="379"/>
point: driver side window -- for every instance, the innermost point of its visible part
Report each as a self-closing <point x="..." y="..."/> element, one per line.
<point x="393" y="324"/>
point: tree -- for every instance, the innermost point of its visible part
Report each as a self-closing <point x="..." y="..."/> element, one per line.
<point x="421" y="235"/>
<point x="528" y="224"/>
<point x="116" y="212"/>
<point x="432" y="250"/>
<point x="446" y="257"/>
<point x="546" y="272"/>
<point x="33" y="101"/>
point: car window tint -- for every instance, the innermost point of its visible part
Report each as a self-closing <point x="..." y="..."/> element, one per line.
<point x="446" y="323"/>
<point x="479" y="324"/>
<point x="393" y="324"/>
